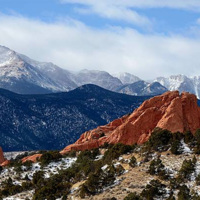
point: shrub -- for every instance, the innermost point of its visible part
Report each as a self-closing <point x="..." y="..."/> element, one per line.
<point x="187" y="168"/>
<point x="71" y="154"/>
<point x="177" y="136"/>
<point x="88" y="155"/>
<point x="10" y="189"/>
<point x="133" y="161"/>
<point x="175" y="182"/>
<point x="50" y="156"/>
<point x="198" y="179"/>
<point x="188" y="137"/>
<point x="38" y="177"/>
<point x="184" y="193"/>
<point x="28" y="164"/>
<point x="133" y="196"/>
<point x="176" y="147"/>
<point x="52" y="190"/>
<point x="156" y="167"/>
<point x="153" y="189"/>
<point x="115" y="151"/>
<point x="27" y="185"/>
<point x="197" y="149"/>
<point x="20" y="156"/>
<point x="197" y="136"/>
<point x="195" y="196"/>
<point x="100" y="179"/>
<point x="159" y="140"/>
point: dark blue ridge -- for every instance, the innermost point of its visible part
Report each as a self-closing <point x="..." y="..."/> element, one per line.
<point x="52" y="121"/>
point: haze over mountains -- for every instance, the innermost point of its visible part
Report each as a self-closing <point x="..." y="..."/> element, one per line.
<point x="23" y="75"/>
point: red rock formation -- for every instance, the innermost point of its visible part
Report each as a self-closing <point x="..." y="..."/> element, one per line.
<point x="32" y="158"/>
<point x="170" y="111"/>
<point x="5" y="163"/>
<point x="2" y="159"/>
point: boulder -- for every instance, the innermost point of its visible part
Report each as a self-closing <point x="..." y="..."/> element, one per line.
<point x="32" y="158"/>
<point x="5" y="163"/>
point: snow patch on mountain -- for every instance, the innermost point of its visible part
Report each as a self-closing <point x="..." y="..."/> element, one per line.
<point x="126" y="78"/>
<point x="181" y="83"/>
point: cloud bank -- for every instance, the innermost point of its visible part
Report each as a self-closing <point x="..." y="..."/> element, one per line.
<point x="74" y="46"/>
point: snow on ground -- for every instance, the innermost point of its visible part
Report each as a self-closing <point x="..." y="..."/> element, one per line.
<point x="13" y="154"/>
<point x="185" y="147"/>
<point x="51" y="168"/>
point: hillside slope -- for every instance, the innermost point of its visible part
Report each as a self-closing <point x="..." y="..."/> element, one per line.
<point x="51" y="121"/>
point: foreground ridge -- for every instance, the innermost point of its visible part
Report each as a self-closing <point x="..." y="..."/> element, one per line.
<point x="172" y="111"/>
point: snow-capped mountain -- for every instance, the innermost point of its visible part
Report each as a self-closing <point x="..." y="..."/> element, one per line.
<point x="61" y="77"/>
<point x="142" y="88"/>
<point x="181" y="83"/>
<point x="23" y="75"/>
<point x="100" y="78"/>
<point x="126" y="78"/>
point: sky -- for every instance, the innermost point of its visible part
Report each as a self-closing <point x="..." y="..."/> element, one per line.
<point x="148" y="38"/>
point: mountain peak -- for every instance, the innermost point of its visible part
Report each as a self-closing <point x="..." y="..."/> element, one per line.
<point x="126" y="78"/>
<point x="7" y="56"/>
<point x="172" y="111"/>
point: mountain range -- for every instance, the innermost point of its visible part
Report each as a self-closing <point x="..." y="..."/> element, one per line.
<point x="23" y="75"/>
<point x="50" y="121"/>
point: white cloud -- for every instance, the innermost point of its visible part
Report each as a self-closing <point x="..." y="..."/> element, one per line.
<point x="180" y="4"/>
<point x="74" y="46"/>
<point x="117" y="13"/>
<point x="124" y="10"/>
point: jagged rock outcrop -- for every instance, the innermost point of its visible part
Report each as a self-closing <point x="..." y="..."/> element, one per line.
<point x="32" y="158"/>
<point x="2" y="158"/>
<point x="171" y="111"/>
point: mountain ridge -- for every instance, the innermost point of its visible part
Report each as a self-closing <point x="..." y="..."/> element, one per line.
<point x="24" y="75"/>
<point x="48" y="121"/>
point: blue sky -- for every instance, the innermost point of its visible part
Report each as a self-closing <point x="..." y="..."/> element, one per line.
<point x="130" y="35"/>
<point x="164" y="20"/>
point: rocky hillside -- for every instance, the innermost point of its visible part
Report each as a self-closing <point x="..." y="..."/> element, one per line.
<point x="164" y="168"/>
<point x="30" y="122"/>
<point x="151" y="154"/>
<point x="172" y="111"/>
